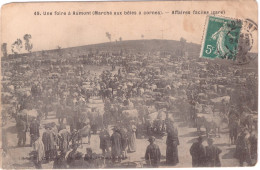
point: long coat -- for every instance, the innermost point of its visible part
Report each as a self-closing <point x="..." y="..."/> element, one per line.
<point x="104" y="140"/>
<point x="34" y="128"/>
<point x="21" y="127"/>
<point x="153" y="155"/>
<point x="172" y="143"/>
<point x="131" y="141"/>
<point x="212" y="156"/>
<point x="198" y="154"/>
<point x="116" y="144"/>
<point x="48" y="140"/>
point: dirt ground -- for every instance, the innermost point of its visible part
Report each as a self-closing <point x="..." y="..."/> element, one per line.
<point x="18" y="157"/>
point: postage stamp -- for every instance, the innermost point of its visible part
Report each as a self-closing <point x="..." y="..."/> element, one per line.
<point x="221" y="38"/>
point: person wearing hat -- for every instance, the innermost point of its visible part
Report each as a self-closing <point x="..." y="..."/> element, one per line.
<point x="198" y="153"/>
<point x="172" y="143"/>
<point x="153" y="153"/>
<point x="212" y="154"/>
<point x="21" y="130"/>
<point x="132" y="139"/>
<point x="116" y="145"/>
<point x="104" y="140"/>
<point x="243" y="152"/>
<point x="49" y="142"/>
<point x="34" y="130"/>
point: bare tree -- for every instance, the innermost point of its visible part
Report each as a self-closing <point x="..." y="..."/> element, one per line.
<point x="28" y="45"/>
<point x="59" y="50"/>
<point x="4" y="49"/>
<point x="108" y="35"/>
<point x="183" y="40"/>
<point x="17" y="46"/>
<point x="183" y="46"/>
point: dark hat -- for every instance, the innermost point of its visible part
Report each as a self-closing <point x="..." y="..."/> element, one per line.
<point x="47" y="126"/>
<point x="151" y="138"/>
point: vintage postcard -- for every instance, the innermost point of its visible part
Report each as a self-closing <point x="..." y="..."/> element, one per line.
<point x="158" y="84"/>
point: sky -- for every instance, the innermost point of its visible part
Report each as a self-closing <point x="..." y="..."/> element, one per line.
<point x="49" y="32"/>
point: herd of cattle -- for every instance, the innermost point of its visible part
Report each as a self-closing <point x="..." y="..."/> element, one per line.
<point x="141" y="89"/>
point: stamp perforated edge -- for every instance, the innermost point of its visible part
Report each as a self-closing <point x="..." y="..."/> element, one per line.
<point x="206" y="30"/>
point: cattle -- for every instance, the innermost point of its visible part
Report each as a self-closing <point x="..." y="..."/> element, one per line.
<point x="78" y="135"/>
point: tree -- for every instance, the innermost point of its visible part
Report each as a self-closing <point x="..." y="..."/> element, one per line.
<point x="183" y="46"/>
<point x="17" y="46"/>
<point x="108" y="35"/>
<point x="120" y="39"/>
<point x="183" y="40"/>
<point x="142" y="36"/>
<point x="59" y="50"/>
<point x="28" y="45"/>
<point x="4" y="49"/>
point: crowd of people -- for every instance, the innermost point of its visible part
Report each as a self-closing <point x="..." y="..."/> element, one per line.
<point x="140" y="92"/>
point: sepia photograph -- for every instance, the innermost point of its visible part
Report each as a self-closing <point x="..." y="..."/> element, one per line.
<point x="148" y="84"/>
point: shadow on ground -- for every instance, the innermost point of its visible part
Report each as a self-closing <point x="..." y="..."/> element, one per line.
<point x="190" y="134"/>
<point x="230" y="154"/>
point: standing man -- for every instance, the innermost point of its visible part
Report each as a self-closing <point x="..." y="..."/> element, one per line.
<point x="21" y="128"/>
<point x="104" y="141"/>
<point x="153" y="153"/>
<point x="116" y="146"/>
<point x="48" y="141"/>
<point x="34" y="131"/>
<point x="212" y="154"/>
<point x="243" y="148"/>
<point x="198" y="153"/>
<point x="172" y="143"/>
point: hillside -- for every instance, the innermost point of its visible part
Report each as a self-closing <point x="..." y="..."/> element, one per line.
<point x="128" y="45"/>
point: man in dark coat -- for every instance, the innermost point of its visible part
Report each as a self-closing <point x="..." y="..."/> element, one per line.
<point x="172" y="143"/>
<point x="243" y="152"/>
<point x="34" y="131"/>
<point x="212" y="154"/>
<point x="48" y="141"/>
<point x="198" y="153"/>
<point x="116" y="146"/>
<point x="21" y="128"/>
<point x="153" y="153"/>
<point x="104" y="141"/>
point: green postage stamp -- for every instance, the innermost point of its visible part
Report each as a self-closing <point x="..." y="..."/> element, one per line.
<point x="221" y="38"/>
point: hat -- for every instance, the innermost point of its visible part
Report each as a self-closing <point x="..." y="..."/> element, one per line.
<point x="47" y="126"/>
<point x="151" y="138"/>
<point x="200" y="138"/>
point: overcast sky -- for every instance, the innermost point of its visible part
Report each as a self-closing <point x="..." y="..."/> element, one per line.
<point x="48" y="32"/>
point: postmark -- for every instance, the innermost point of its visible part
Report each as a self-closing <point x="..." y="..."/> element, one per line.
<point x="246" y="42"/>
<point x="221" y="38"/>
